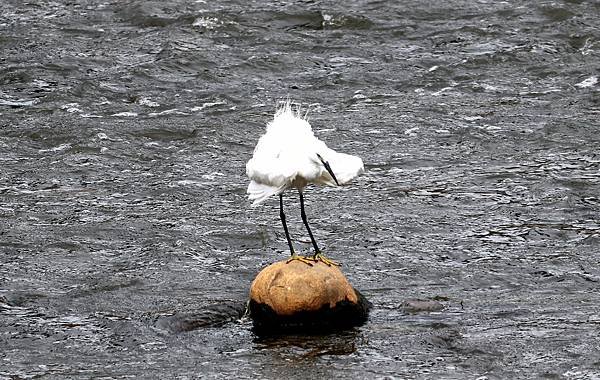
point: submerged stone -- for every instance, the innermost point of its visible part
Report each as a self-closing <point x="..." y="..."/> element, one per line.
<point x="418" y="306"/>
<point x="294" y="296"/>
<point x="213" y="315"/>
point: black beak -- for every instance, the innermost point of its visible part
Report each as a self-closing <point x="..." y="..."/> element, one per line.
<point x="328" y="168"/>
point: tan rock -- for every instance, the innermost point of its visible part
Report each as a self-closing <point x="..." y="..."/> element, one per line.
<point x="294" y="287"/>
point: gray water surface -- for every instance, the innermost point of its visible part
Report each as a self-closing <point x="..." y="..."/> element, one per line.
<point x="125" y="128"/>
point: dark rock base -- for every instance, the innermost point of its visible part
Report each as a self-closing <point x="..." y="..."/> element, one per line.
<point x="344" y="315"/>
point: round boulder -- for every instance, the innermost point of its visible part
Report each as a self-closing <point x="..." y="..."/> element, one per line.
<point x="287" y="296"/>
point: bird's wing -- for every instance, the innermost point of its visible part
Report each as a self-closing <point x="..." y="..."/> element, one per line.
<point x="345" y="167"/>
<point x="258" y="192"/>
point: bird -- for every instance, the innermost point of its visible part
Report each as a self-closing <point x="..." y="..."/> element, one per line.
<point x="288" y="156"/>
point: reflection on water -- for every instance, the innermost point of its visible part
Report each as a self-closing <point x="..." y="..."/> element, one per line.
<point x="305" y="347"/>
<point x="126" y="236"/>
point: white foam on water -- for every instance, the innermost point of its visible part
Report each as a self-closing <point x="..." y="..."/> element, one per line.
<point x="125" y="114"/>
<point x="207" y="105"/>
<point x="589" y="82"/>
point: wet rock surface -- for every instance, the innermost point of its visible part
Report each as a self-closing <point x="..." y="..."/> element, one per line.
<point x="295" y="297"/>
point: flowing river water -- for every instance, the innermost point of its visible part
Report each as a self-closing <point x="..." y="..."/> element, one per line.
<point x="475" y="231"/>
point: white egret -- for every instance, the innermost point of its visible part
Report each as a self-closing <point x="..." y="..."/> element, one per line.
<point x="289" y="156"/>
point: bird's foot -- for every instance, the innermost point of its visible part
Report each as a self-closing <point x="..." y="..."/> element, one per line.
<point x="303" y="259"/>
<point x="322" y="258"/>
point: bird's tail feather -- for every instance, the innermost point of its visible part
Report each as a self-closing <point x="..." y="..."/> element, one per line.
<point x="258" y="192"/>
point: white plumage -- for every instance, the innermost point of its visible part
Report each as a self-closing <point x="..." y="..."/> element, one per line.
<point x="287" y="156"/>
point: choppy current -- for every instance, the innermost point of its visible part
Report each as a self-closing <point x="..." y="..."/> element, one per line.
<point x="124" y="131"/>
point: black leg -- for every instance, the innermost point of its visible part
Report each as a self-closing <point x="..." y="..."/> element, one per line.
<point x="282" y="216"/>
<point x="303" y="214"/>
